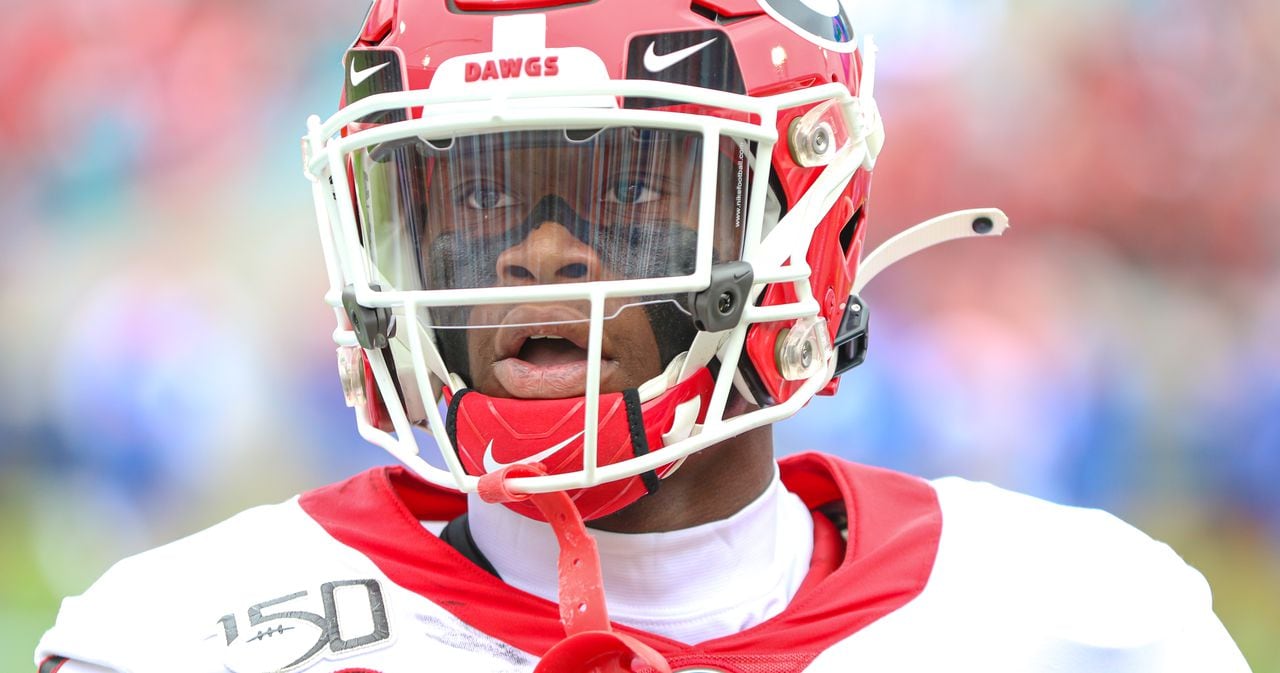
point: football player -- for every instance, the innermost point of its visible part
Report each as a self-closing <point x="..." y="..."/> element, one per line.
<point x="582" y="254"/>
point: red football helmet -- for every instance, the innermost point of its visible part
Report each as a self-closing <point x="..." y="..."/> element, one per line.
<point x="576" y="233"/>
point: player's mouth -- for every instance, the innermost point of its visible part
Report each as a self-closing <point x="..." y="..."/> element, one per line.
<point x="542" y="354"/>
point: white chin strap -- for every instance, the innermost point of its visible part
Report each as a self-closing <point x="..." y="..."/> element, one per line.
<point x="976" y="222"/>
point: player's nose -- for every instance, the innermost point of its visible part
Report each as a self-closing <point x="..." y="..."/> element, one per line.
<point x="549" y="254"/>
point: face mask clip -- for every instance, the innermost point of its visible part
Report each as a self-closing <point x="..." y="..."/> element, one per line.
<point x="373" y="326"/>
<point x="719" y="307"/>
<point x="851" y="339"/>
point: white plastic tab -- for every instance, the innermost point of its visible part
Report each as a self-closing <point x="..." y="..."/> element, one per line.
<point x="949" y="227"/>
<point x="686" y="414"/>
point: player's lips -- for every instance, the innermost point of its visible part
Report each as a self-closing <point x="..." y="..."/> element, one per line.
<point x="541" y="353"/>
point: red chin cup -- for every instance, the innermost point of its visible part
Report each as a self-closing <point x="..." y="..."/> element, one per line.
<point x="492" y="433"/>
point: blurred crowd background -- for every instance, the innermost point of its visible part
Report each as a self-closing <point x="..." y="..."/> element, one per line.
<point x="165" y="358"/>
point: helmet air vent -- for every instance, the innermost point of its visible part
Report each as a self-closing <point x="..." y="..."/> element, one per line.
<point x="511" y="5"/>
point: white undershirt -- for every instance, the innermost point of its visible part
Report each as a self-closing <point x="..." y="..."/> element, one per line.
<point x="691" y="585"/>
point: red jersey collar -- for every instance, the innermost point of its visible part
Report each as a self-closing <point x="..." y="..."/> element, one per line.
<point x="893" y="531"/>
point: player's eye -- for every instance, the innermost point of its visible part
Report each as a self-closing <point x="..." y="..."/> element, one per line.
<point x="487" y="197"/>
<point x="631" y="191"/>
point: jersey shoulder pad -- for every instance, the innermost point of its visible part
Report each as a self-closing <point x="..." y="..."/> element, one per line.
<point x="1082" y="579"/>
<point x="159" y="610"/>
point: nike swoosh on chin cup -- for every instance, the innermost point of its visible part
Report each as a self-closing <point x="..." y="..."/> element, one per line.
<point x="654" y="62"/>
<point x="492" y="465"/>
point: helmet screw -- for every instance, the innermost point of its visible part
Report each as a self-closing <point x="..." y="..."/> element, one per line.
<point x="821" y="140"/>
<point x="725" y="304"/>
<point x="806" y="354"/>
<point x="983" y="225"/>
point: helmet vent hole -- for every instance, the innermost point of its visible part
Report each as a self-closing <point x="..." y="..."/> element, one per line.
<point x="708" y="11"/>
<point x="848" y="230"/>
<point x="508" y="6"/>
<point x="704" y="12"/>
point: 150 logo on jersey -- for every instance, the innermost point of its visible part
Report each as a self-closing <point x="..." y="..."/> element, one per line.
<point x="343" y="618"/>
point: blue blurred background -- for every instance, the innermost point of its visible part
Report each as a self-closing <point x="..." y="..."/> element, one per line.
<point x="166" y="359"/>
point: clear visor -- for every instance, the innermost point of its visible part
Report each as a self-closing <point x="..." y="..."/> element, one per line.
<point x="536" y="208"/>
<point x="544" y="207"/>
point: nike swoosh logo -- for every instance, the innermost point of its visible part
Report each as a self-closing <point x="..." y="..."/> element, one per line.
<point x="359" y="76"/>
<point x="654" y="62"/>
<point x="492" y="465"/>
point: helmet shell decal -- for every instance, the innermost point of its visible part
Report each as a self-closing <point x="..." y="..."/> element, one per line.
<point x="495" y="70"/>
<point x="823" y="22"/>
<point x="701" y="58"/>
<point x="370" y="72"/>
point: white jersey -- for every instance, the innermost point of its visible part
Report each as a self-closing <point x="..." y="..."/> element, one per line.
<point x="947" y="575"/>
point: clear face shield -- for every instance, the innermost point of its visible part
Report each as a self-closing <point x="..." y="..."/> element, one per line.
<point x="573" y="284"/>
<point x="507" y="236"/>
<point x="590" y="271"/>
<point x="593" y="256"/>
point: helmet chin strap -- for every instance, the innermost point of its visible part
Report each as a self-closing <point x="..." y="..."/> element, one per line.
<point x="590" y="645"/>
